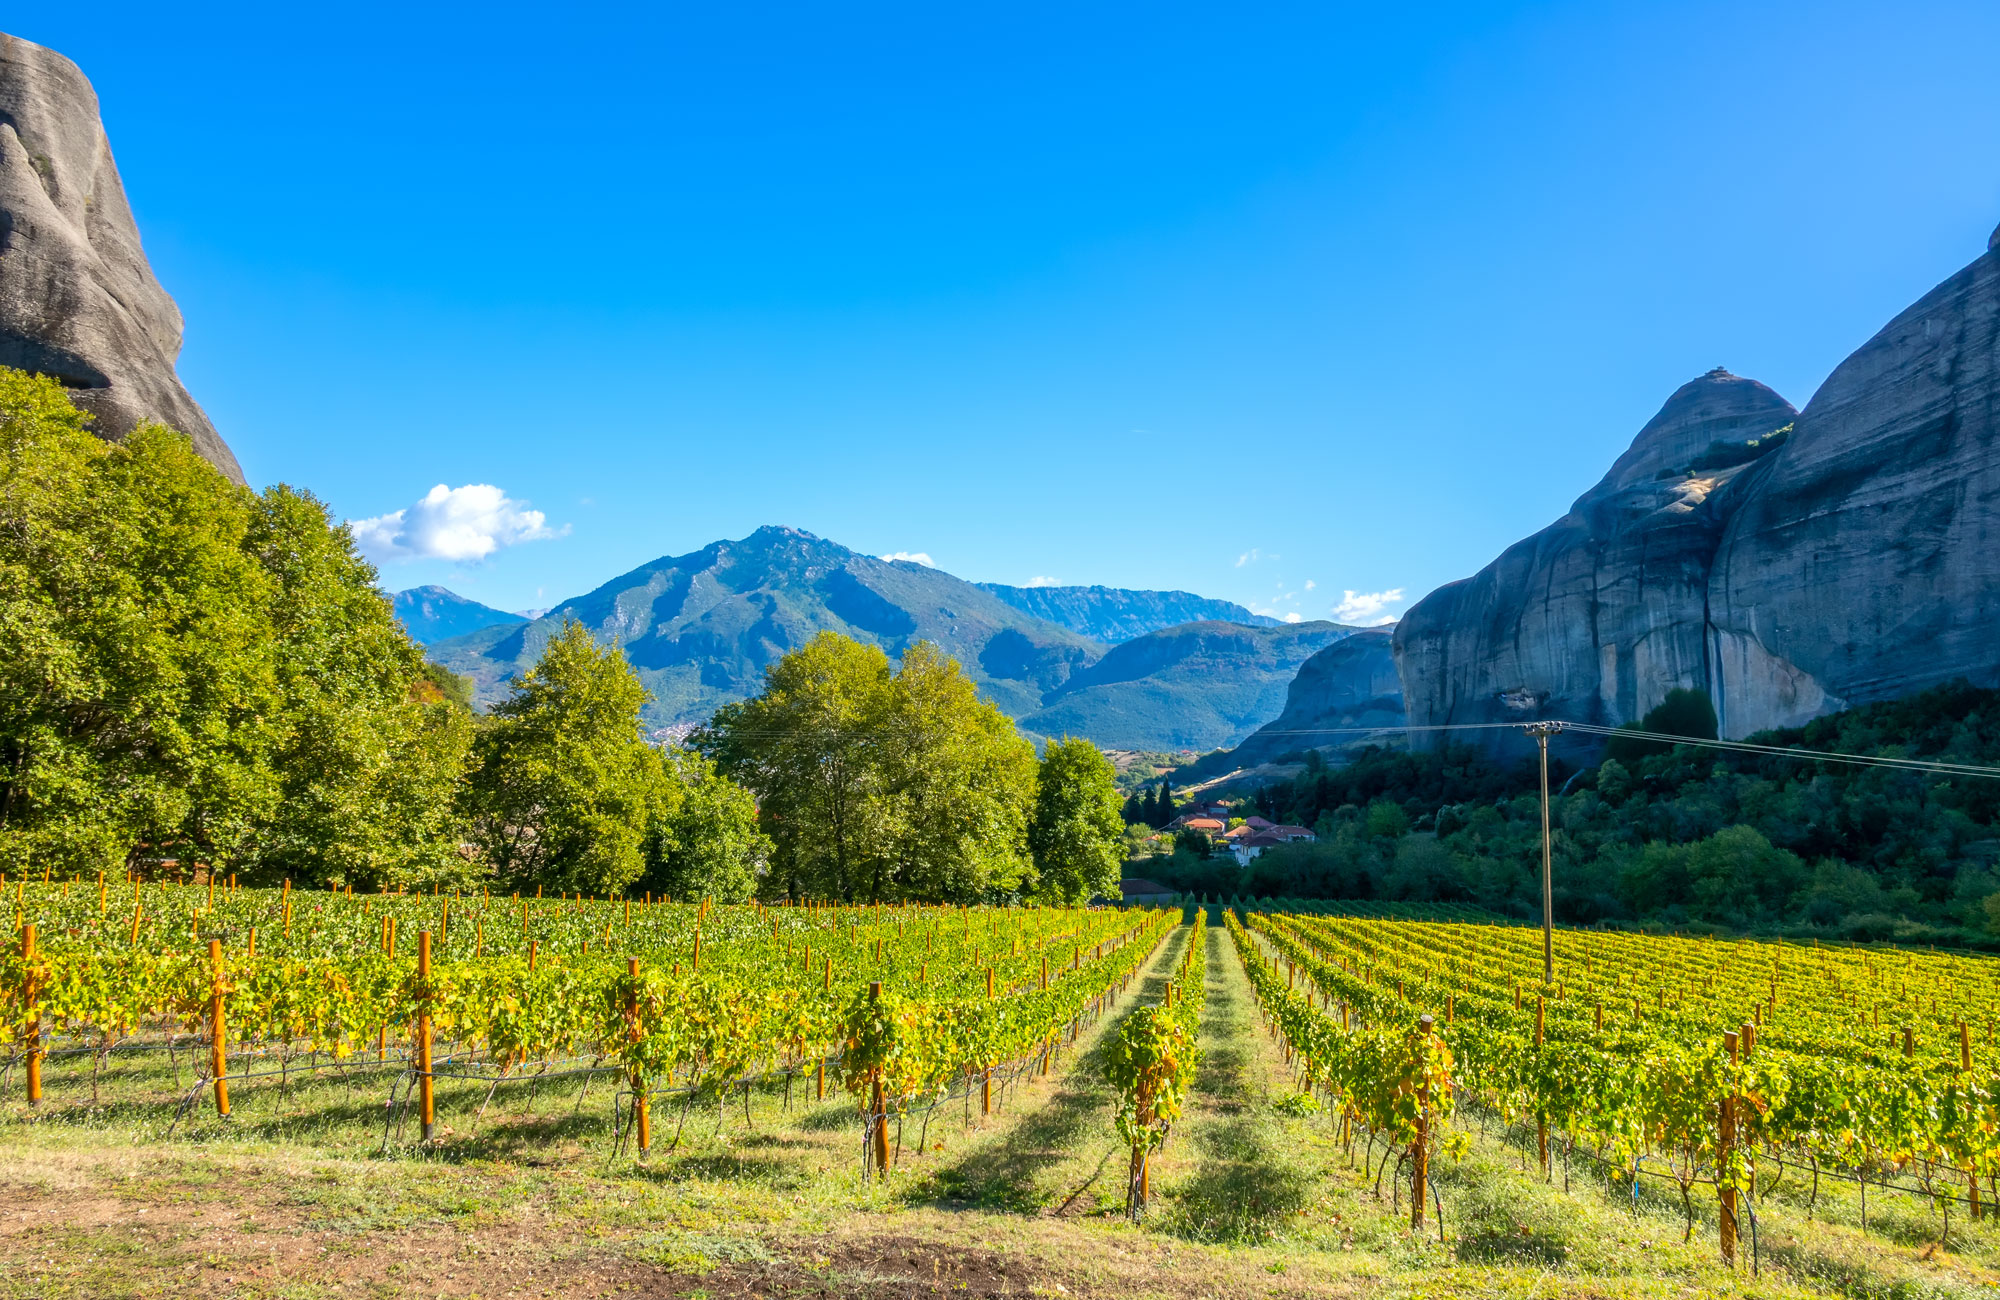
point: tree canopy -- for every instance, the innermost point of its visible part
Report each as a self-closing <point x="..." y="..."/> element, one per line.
<point x="1076" y="833"/>
<point x="193" y="672"/>
<point x="565" y="787"/>
<point x="880" y="783"/>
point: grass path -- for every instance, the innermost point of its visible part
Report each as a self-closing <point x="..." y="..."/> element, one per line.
<point x="1228" y="1173"/>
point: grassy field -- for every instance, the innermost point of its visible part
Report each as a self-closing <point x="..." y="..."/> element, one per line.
<point x="298" y="1196"/>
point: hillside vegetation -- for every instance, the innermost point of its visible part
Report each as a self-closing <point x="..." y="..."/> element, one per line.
<point x="1196" y="687"/>
<point x="1685" y="837"/>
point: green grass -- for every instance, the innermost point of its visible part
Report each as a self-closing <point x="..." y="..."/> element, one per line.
<point x="1254" y="1195"/>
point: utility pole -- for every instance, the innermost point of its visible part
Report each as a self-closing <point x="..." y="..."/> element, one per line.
<point x="1541" y="731"/>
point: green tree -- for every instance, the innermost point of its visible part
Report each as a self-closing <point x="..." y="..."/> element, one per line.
<point x="704" y="841"/>
<point x="192" y="671"/>
<point x="810" y="744"/>
<point x="566" y="787"/>
<point x="879" y="784"/>
<point x="373" y="750"/>
<point x="960" y="783"/>
<point x="1076" y="833"/>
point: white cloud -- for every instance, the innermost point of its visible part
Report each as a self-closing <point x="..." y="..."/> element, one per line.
<point x="914" y="557"/>
<point x="1043" y="580"/>
<point x="1295" y="617"/>
<point x="1310" y="584"/>
<point x="1246" y="557"/>
<point x="461" y="523"/>
<point x="1368" y="608"/>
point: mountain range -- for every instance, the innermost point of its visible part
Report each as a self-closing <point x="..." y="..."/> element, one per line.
<point x="1115" y="614"/>
<point x="700" y="629"/>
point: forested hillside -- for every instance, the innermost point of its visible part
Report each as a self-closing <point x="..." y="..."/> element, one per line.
<point x="1682" y="836"/>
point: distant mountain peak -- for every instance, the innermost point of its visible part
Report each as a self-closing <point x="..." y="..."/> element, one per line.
<point x="432" y="613"/>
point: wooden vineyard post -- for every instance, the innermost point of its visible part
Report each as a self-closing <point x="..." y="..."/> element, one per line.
<point x="34" y="1026"/>
<point x="1541" y="1117"/>
<point x="285" y="897"/>
<point x="1972" y="1171"/>
<point x="642" y="1117"/>
<point x="426" y="1102"/>
<point x="986" y="1082"/>
<point x="1421" y="1152"/>
<point x="1725" y="1152"/>
<point x="218" y="1044"/>
<point x="878" y="1110"/>
<point x="1139" y="1186"/>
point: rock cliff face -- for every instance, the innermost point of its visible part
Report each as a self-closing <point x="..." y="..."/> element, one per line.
<point x="77" y="299"/>
<point x="1866" y="564"/>
<point x="1855" y="558"/>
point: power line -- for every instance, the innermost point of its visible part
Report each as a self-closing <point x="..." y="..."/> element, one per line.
<point x="1783" y="751"/>
<point x="1595" y="729"/>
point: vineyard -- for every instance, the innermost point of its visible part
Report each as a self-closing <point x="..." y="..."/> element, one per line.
<point x="1721" y="1063"/>
<point x="1329" y="1091"/>
<point x="679" y="997"/>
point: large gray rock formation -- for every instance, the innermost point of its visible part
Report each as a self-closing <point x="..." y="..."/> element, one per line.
<point x="1598" y="615"/>
<point x="77" y="299"/>
<point x="1856" y="559"/>
<point x="1866" y="564"/>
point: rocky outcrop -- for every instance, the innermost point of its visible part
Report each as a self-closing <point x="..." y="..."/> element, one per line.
<point x="1855" y="558"/>
<point x="77" y="300"/>
<point x="1340" y="694"/>
<point x="1598" y="615"/>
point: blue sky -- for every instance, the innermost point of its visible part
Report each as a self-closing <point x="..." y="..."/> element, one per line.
<point x="1233" y="299"/>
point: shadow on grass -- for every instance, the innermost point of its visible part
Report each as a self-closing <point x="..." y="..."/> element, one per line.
<point x="1005" y="1175"/>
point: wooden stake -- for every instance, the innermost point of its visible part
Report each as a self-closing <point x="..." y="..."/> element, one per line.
<point x="218" y="1055"/>
<point x="427" y="1103"/>
<point x="34" y="1026"/>
<point x="641" y="1110"/>
<point x="1421" y="1149"/>
<point x="1725" y="1153"/>
<point x="878" y="1108"/>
